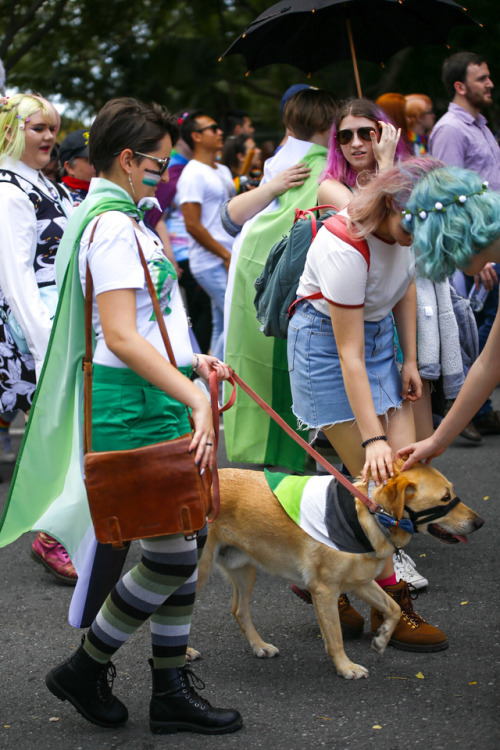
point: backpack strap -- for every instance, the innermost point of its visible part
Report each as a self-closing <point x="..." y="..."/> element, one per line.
<point x="337" y="226"/>
<point x="311" y="213"/>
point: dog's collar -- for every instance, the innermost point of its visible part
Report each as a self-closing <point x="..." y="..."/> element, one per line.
<point x="386" y="520"/>
<point x="431" y="514"/>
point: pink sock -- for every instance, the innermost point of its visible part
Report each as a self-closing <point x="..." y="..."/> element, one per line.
<point x="391" y="581"/>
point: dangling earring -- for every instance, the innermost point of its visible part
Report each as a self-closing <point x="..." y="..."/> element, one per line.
<point x="131" y="186"/>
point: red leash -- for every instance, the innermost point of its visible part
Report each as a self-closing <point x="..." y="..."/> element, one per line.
<point x="235" y="379"/>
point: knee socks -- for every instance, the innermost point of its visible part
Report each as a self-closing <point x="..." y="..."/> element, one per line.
<point x="162" y="587"/>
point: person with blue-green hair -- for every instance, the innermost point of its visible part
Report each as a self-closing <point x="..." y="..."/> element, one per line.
<point x="455" y="222"/>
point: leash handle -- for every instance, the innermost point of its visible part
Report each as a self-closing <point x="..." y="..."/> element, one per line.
<point x="300" y="441"/>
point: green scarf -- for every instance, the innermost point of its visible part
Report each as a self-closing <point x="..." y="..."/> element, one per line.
<point x="47" y="491"/>
<point x="251" y="436"/>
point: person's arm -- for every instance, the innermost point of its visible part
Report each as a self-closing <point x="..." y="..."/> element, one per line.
<point x="482" y="378"/>
<point x="192" y="219"/>
<point x="405" y="317"/>
<point x="348" y="327"/>
<point x="245" y="206"/>
<point x="333" y="193"/>
<point x="448" y="144"/>
<point x="17" y="275"/>
<point x="117" y="313"/>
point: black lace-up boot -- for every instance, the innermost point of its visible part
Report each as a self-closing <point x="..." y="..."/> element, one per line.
<point x="87" y="684"/>
<point x="176" y="707"/>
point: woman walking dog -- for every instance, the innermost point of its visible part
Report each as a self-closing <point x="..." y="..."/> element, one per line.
<point x="139" y="398"/>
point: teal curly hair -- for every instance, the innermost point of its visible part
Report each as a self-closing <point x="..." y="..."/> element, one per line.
<point x="452" y="217"/>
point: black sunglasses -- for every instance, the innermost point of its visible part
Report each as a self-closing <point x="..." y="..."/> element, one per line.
<point x="162" y="163"/>
<point x="345" y="136"/>
<point x="214" y="128"/>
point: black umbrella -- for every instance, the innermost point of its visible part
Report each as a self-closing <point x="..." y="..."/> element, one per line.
<point x="310" y="34"/>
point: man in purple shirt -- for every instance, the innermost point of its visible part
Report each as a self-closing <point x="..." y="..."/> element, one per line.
<point x="461" y="138"/>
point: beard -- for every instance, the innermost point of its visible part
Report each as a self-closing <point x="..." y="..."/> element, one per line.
<point x="476" y="99"/>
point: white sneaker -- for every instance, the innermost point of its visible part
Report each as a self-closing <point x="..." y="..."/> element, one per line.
<point x="406" y="570"/>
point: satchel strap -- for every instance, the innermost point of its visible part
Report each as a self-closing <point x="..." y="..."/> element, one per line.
<point x="87" y="359"/>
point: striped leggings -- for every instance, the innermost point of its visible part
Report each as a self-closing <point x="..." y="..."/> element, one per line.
<point x="161" y="588"/>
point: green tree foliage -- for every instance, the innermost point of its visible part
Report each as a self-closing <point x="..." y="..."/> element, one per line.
<point x="87" y="51"/>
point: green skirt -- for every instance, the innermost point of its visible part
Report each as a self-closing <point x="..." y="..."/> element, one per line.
<point x="129" y="412"/>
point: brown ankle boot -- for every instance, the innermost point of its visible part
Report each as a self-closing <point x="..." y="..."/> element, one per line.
<point x="412" y="633"/>
<point x="351" y="621"/>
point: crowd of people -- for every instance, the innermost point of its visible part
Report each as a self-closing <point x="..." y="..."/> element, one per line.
<point x="374" y="339"/>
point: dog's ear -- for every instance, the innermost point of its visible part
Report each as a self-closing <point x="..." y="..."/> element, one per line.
<point x="393" y="495"/>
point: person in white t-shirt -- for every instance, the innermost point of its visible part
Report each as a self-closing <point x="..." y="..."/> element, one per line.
<point x="203" y="187"/>
<point x="341" y="357"/>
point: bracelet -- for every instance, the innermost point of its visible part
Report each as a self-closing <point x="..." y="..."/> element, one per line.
<point x="373" y="440"/>
<point x="197" y="362"/>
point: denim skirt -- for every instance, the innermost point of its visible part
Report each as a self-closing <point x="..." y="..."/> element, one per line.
<point x="318" y="392"/>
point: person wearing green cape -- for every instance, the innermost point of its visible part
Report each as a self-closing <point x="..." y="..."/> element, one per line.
<point x="251" y="436"/>
<point x="139" y="398"/>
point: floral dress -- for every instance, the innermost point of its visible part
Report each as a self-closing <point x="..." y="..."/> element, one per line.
<point x="17" y="370"/>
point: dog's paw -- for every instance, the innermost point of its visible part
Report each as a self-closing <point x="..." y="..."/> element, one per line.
<point x="381" y="639"/>
<point x="353" y="671"/>
<point x="192" y="654"/>
<point x="266" y="651"/>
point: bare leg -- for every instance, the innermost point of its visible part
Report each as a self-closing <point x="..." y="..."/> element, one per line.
<point x="422" y="413"/>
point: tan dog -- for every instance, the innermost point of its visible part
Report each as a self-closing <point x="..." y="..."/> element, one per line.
<point x="253" y="529"/>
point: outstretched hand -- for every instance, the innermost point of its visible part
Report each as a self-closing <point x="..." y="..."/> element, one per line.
<point x="424" y="450"/>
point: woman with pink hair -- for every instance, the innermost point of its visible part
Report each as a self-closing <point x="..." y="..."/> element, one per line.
<point x="363" y="141"/>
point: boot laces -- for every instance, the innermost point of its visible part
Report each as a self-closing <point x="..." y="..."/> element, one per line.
<point x="190" y="681"/>
<point x="105" y="682"/>
<point x="409" y="595"/>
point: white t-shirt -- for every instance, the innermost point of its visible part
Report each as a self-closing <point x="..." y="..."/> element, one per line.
<point x="115" y="264"/>
<point x="200" y="183"/>
<point x="341" y="274"/>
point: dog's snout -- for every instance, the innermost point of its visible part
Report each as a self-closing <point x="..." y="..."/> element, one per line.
<point x="478" y="522"/>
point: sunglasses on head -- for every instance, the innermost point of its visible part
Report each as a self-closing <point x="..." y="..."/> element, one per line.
<point x="162" y="163"/>
<point x="345" y="136"/>
<point x="213" y="127"/>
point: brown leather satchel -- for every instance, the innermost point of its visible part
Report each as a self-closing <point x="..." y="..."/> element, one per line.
<point x="144" y="492"/>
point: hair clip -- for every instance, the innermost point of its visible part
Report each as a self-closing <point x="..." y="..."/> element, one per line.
<point x="23" y="120"/>
<point x="182" y="118"/>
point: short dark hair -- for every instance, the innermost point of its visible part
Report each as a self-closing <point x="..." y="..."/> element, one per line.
<point x="309" y="111"/>
<point x="233" y="146"/>
<point x="190" y="126"/>
<point x="233" y="118"/>
<point x="455" y="69"/>
<point x="128" y="123"/>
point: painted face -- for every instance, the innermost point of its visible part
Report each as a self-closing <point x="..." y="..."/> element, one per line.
<point x="145" y="175"/>
<point x="358" y="152"/>
<point x="40" y="134"/>
<point x="478" y="86"/>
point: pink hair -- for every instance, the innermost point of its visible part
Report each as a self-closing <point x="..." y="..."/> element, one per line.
<point x="390" y="189"/>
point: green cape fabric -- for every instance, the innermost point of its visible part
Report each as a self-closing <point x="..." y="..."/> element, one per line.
<point x="251" y="436"/>
<point x="47" y="491"/>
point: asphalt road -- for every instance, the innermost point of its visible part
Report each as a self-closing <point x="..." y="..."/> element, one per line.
<point x="296" y="701"/>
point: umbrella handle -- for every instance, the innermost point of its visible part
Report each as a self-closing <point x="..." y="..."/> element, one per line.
<point x="353" y="55"/>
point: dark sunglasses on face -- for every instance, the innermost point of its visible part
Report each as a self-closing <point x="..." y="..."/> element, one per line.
<point x="214" y="128"/>
<point x="162" y="163"/>
<point x="345" y="136"/>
